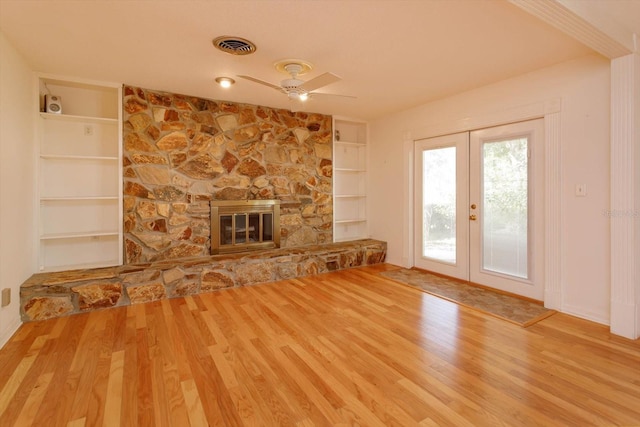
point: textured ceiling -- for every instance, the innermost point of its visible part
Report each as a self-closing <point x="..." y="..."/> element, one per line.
<point x="391" y="55"/>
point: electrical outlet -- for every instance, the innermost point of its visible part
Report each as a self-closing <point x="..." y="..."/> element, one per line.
<point x="6" y="297"/>
<point x="88" y="130"/>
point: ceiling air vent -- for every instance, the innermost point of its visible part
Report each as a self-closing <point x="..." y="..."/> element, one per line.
<point x="234" y="45"/>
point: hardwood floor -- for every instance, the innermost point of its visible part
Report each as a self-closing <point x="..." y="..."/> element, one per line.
<point x="344" y="348"/>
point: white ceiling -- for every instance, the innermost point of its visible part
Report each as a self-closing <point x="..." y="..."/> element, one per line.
<point x="391" y="54"/>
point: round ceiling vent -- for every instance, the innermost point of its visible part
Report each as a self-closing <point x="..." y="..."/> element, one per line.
<point x="234" y="45"/>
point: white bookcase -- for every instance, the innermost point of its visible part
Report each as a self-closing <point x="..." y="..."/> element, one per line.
<point x="80" y="175"/>
<point x="349" y="180"/>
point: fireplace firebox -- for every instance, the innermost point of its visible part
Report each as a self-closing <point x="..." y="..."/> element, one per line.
<point x="242" y="225"/>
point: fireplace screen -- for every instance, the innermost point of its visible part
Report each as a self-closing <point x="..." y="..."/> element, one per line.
<point x="244" y="225"/>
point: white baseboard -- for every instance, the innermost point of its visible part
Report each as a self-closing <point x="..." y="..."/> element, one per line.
<point x="583" y="314"/>
<point x="552" y="300"/>
<point x="624" y="320"/>
<point x="8" y="331"/>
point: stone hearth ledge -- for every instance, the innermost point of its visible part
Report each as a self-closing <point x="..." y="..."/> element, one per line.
<point x="48" y="295"/>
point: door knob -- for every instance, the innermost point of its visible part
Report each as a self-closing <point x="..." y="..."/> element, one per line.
<point x="473" y="206"/>
<point x="472" y="217"/>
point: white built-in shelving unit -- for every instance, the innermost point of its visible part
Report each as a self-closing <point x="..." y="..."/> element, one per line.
<point x="349" y="180"/>
<point x="80" y="175"/>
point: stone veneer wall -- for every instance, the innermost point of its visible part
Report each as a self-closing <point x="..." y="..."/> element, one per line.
<point x="180" y="152"/>
<point x="48" y="295"/>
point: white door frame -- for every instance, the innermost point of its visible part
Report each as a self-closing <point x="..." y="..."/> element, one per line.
<point x="550" y="111"/>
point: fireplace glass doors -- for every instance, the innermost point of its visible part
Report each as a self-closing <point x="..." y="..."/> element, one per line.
<point x="240" y="225"/>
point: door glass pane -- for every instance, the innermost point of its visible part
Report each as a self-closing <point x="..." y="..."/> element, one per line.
<point x="439" y="204"/>
<point x="505" y="207"/>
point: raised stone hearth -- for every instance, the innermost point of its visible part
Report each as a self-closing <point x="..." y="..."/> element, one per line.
<point x="48" y="295"/>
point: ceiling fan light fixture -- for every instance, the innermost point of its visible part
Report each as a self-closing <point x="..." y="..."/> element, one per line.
<point x="291" y="84"/>
<point x="293" y="87"/>
<point x="225" y="82"/>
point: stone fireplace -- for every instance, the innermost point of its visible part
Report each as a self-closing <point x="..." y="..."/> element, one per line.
<point x="182" y="152"/>
<point x="241" y="225"/>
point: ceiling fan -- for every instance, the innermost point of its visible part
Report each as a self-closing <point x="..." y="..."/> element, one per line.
<point x="293" y="87"/>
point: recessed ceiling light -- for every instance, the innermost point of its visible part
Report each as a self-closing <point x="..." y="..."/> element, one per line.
<point x="234" y="45"/>
<point x="225" y="82"/>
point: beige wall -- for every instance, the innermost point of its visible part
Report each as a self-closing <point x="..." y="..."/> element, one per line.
<point x="17" y="177"/>
<point x="583" y="87"/>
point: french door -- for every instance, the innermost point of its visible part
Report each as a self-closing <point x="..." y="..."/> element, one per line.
<point x="479" y="207"/>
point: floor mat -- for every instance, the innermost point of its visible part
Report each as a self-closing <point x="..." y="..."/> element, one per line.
<point x="513" y="309"/>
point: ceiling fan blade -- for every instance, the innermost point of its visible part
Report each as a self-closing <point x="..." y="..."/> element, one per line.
<point x="315" y="94"/>
<point x="262" y="82"/>
<point x="320" y="81"/>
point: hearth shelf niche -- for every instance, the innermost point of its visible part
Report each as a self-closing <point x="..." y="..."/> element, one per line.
<point x="80" y="184"/>
<point x="350" y="176"/>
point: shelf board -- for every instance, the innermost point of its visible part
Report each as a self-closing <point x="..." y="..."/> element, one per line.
<point x="80" y="119"/>
<point x="350" y="221"/>
<point x="349" y="170"/>
<point x="352" y="143"/>
<point x="77" y="198"/>
<point x="73" y="157"/>
<point x="51" y="268"/>
<point x="350" y="196"/>
<point x="77" y="235"/>
<point x="349" y="238"/>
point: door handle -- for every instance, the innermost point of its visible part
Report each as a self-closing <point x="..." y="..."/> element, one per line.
<point x="473" y="217"/>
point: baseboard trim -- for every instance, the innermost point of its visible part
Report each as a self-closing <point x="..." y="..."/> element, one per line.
<point x="581" y="313"/>
<point x="624" y="319"/>
<point x="7" y="333"/>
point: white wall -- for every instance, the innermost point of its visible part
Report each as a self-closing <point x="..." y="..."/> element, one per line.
<point x="583" y="86"/>
<point x="17" y="177"/>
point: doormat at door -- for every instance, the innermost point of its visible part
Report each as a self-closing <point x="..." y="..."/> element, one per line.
<point x="510" y="308"/>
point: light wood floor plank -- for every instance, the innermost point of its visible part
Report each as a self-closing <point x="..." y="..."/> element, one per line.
<point x="80" y="422"/>
<point x="214" y="397"/>
<point x="98" y="395"/>
<point x="84" y="364"/>
<point x="312" y="402"/>
<point x="30" y="408"/>
<point x="56" y="406"/>
<point x="12" y="383"/>
<point x="242" y="403"/>
<point x="343" y="348"/>
<point x="113" y="402"/>
<point x="193" y="404"/>
<point x="129" y="410"/>
<point x="144" y="390"/>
